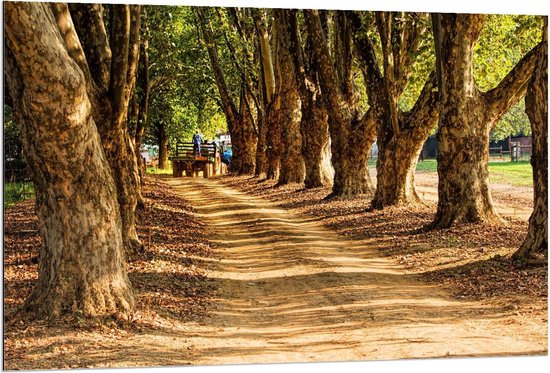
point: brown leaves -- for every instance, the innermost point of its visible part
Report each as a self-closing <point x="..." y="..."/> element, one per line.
<point x="168" y="278"/>
<point x="471" y="260"/>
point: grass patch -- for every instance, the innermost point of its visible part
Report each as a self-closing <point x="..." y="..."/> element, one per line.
<point x="512" y="173"/>
<point x="158" y="171"/>
<point x="16" y="192"/>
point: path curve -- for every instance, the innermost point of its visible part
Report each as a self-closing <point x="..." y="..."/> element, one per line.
<point x="291" y="290"/>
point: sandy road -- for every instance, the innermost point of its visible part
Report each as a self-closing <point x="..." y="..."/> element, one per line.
<point x="290" y="290"/>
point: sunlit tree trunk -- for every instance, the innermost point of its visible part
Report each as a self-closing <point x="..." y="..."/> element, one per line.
<point x="399" y="135"/>
<point x="351" y="132"/>
<point x="82" y="259"/>
<point x="292" y="168"/>
<point x="163" y="147"/>
<point x="466" y="118"/>
<point x="314" y="121"/>
<point x="535" y="245"/>
<point x="143" y="104"/>
<point x="113" y="59"/>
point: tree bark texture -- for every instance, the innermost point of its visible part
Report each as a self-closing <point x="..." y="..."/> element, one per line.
<point x="239" y="123"/>
<point x="142" y="97"/>
<point x="267" y="88"/>
<point x="273" y="135"/>
<point x="536" y="107"/>
<point x="314" y="122"/>
<point x="351" y="132"/>
<point x="292" y="169"/>
<point x="400" y="135"/>
<point x="82" y="259"/>
<point x="466" y="118"/>
<point x="114" y="59"/>
<point x="246" y="139"/>
<point x="163" y="147"/>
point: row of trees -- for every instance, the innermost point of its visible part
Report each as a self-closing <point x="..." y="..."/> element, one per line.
<point x="349" y="78"/>
<point x="304" y="95"/>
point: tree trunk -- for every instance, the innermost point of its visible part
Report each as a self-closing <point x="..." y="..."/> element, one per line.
<point x="400" y="135"/>
<point x="350" y="156"/>
<point x="292" y="168"/>
<point x="466" y="118"/>
<point x="115" y="84"/>
<point x="261" y="157"/>
<point x="82" y="261"/>
<point x="163" y="148"/>
<point x="398" y="153"/>
<point x="315" y="144"/>
<point x="535" y="245"/>
<point x="314" y="123"/>
<point x="246" y="146"/>
<point x="351" y="133"/>
<point x="143" y="104"/>
<point x="273" y="151"/>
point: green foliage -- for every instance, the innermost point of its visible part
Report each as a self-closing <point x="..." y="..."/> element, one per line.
<point x="16" y="192"/>
<point x="504" y="41"/>
<point x="12" y="136"/>
<point x="183" y="94"/>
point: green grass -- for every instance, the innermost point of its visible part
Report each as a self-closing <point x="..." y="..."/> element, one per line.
<point x="16" y="192"/>
<point x="512" y="173"/>
<point x="158" y="171"/>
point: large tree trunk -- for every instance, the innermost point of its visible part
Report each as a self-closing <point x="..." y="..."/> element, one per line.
<point x="292" y="168"/>
<point x="350" y="156"/>
<point x="400" y="135"/>
<point x="247" y="140"/>
<point x="315" y="144"/>
<point x="398" y="153"/>
<point x="351" y="133"/>
<point x="82" y="263"/>
<point x="535" y="245"/>
<point x="143" y="104"/>
<point x="273" y="151"/>
<point x="314" y="123"/>
<point x="115" y="60"/>
<point x="261" y="157"/>
<point x="466" y="118"/>
<point x="267" y="88"/>
<point x="163" y="148"/>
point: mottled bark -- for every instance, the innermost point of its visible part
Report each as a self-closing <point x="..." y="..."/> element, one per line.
<point x="82" y="261"/>
<point x="292" y="168"/>
<point x="113" y="60"/>
<point x="247" y="138"/>
<point x="163" y="147"/>
<point x="239" y="124"/>
<point x="314" y="121"/>
<point x="398" y="153"/>
<point x="535" y="246"/>
<point x="351" y="132"/>
<point x="267" y="89"/>
<point x="143" y="103"/>
<point x="273" y="151"/>
<point x="466" y="118"/>
<point x="315" y="144"/>
<point x="400" y="135"/>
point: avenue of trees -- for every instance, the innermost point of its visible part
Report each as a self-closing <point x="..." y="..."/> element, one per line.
<point x="304" y="94"/>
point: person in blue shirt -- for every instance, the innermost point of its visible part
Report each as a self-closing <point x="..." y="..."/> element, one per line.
<point x="197" y="139"/>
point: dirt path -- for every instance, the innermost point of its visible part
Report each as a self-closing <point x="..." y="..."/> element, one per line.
<point x="290" y="290"/>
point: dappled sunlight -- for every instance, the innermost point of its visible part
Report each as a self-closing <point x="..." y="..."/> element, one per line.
<point x="289" y="290"/>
